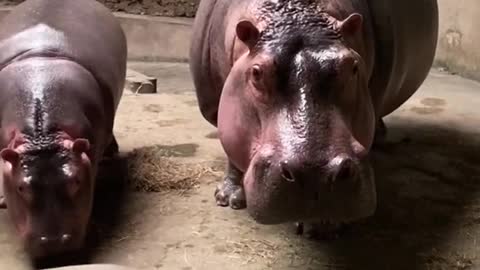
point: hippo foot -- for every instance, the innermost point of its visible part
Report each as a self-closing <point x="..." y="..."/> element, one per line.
<point x="321" y="231"/>
<point x="231" y="192"/>
<point x="227" y="194"/>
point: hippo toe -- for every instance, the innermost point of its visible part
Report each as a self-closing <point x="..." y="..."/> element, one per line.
<point x="231" y="192"/>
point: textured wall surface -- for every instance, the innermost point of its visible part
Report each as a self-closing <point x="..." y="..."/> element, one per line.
<point x="459" y="37"/>
<point x="458" y="44"/>
<point x="178" y="8"/>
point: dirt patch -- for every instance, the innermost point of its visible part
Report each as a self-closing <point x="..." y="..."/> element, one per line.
<point x="152" y="169"/>
<point x="171" y="123"/>
<point x="433" y="102"/>
<point x="212" y="135"/>
<point x="170" y="8"/>
<point x="154" y="108"/>
<point x="426" y="110"/>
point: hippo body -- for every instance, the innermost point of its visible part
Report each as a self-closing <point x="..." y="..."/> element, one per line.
<point x="298" y="89"/>
<point x="62" y="72"/>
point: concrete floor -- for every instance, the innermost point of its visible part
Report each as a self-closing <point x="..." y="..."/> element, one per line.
<point x="428" y="182"/>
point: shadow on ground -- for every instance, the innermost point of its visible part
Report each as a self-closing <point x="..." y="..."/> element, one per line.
<point x="428" y="186"/>
<point x="428" y="193"/>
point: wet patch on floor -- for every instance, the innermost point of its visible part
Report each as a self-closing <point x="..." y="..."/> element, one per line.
<point x="426" y="110"/>
<point x="171" y="123"/>
<point x="192" y="103"/>
<point x="432" y="106"/>
<point x="212" y="135"/>
<point x="433" y="102"/>
<point x="154" y="108"/>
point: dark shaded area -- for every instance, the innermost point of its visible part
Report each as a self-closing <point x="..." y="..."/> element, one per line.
<point x="170" y="8"/>
<point x="428" y="187"/>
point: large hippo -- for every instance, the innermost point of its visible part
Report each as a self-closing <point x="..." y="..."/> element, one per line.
<point x="298" y="89"/>
<point x="62" y="72"/>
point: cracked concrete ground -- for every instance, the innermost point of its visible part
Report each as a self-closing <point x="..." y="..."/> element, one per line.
<point x="427" y="175"/>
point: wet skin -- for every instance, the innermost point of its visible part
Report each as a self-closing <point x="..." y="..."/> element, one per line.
<point x="62" y="78"/>
<point x="297" y="90"/>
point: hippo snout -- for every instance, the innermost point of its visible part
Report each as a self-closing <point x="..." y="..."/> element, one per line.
<point x="62" y="239"/>
<point x="43" y="245"/>
<point x="285" y="189"/>
<point x="341" y="169"/>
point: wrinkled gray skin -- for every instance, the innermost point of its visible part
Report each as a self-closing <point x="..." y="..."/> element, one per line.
<point x="62" y="71"/>
<point x="298" y="90"/>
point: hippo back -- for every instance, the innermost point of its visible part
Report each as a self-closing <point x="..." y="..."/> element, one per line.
<point x="406" y="35"/>
<point x="83" y="31"/>
<point x="210" y="51"/>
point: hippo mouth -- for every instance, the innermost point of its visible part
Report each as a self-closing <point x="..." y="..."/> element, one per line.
<point x="274" y="198"/>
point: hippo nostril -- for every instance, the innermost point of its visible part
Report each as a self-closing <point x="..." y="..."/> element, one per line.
<point x="61" y="239"/>
<point x="43" y="240"/>
<point x="286" y="174"/>
<point x="66" y="238"/>
<point x="346" y="170"/>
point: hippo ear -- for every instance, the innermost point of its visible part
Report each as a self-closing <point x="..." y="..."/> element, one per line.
<point x="11" y="156"/>
<point x="80" y="146"/>
<point x="247" y="33"/>
<point x="352" y="24"/>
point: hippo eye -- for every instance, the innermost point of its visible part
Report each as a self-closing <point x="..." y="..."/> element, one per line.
<point x="257" y="72"/>
<point x="24" y="192"/>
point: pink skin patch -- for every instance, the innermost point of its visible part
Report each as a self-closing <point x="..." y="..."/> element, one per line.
<point x="266" y="150"/>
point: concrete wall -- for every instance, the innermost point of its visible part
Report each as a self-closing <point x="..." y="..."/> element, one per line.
<point x="165" y="38"/>
<point x="459" y="42"/>
<point x="156" y="38"/>
<point x="171" y="8"/>
<point x="152" y="38"/>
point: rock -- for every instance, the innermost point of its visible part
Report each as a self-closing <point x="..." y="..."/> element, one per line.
<point x="139" y="83"/>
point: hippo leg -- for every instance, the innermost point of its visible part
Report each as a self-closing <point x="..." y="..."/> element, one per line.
<point x="380" y="133"/>
<point x="3" y="203"/>
<point x="111" y="167"/>
<point x="112" y="149"/>
<point x="231" y="191"/>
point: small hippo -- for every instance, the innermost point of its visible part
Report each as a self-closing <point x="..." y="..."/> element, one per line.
<point x="62" y="72"/>
<point x="298" y="90"/>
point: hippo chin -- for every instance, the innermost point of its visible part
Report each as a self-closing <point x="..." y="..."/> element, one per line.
<point x="298" y="89"/>
<point x="62" y="75"/>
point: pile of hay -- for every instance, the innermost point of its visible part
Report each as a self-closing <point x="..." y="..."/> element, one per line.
<point x="152" y="169"/>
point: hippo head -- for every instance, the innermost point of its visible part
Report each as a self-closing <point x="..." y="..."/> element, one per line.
<point x="297" y="117"/>
<point x="48" y="193"/>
